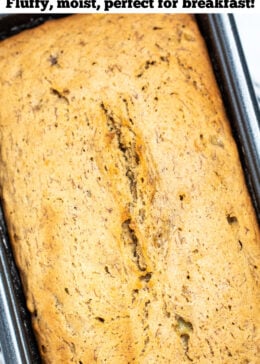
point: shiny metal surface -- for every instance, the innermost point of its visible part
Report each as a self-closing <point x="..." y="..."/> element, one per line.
<point x="14" y="343"/>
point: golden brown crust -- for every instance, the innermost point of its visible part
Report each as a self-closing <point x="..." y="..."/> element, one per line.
<point x="124" y="195"/>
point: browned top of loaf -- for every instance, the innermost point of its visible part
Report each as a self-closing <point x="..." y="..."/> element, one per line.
<point x="124" y="196"/>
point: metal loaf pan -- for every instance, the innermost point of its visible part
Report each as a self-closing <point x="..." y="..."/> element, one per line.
<point x="219" y="30"/>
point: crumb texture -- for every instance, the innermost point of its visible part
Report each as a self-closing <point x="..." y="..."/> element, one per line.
<point x="125" y="200"/>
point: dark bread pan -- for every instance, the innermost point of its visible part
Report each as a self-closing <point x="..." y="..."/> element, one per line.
<point x="219" y="30"/>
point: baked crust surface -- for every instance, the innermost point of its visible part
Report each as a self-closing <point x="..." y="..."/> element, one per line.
<point x="124" y="195"/>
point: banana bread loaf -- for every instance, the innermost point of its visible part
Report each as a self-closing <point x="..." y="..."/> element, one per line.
<point x="124" y="196"/>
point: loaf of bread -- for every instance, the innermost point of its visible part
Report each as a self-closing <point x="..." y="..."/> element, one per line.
<point x="124" y="196"/>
